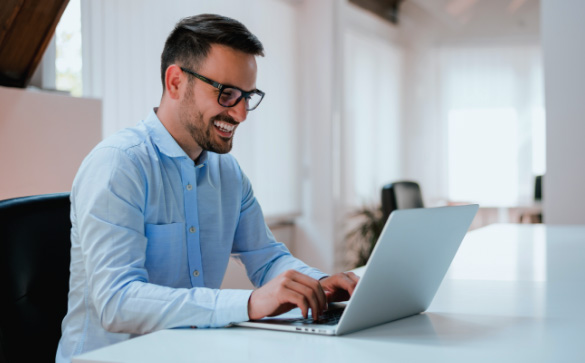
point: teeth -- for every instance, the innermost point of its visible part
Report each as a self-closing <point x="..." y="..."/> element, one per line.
<point x="224" y="126"/>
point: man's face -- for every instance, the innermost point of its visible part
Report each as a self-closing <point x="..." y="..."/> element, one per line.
<point x="210" y="125"/>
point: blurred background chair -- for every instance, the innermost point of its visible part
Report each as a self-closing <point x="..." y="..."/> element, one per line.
<point x="538" y="188"/>
<point x="534" y="214"/>
<point x="34" y="275"/>
<point x="400" y="195"/>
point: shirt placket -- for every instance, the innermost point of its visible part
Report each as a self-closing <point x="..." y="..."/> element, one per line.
<point x="189" y="179"/>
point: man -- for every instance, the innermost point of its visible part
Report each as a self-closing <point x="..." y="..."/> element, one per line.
<point x="157" y="209"/>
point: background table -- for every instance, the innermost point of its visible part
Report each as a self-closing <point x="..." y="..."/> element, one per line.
<point x="514" y="293"/>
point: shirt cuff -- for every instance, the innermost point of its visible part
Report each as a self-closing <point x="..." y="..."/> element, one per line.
<point x="232" y="306"/>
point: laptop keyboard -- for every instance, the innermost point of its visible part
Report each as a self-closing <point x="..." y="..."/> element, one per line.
<point x="329" y="317"/>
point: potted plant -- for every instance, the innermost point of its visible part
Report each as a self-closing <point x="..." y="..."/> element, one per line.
<point x="363" y="237"/>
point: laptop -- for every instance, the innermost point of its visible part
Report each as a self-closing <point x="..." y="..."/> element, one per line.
<point x="401" y="278"/>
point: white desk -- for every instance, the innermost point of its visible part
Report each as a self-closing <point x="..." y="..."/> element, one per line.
<point x="514" y="293"/>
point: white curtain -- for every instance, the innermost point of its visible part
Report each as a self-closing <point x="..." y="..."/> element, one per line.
<point x="492" y="105"/>
<point x="122" y="43"/>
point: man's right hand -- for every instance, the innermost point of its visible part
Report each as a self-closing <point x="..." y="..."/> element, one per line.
<point x="287" y="291"/>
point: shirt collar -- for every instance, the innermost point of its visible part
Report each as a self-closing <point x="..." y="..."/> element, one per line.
<point x="202" y="159"/>
<point x="162" y="138"/>
<point x="165" y="141"/>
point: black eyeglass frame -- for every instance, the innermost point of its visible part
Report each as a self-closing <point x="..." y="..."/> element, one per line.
<point x="222" y="87"/>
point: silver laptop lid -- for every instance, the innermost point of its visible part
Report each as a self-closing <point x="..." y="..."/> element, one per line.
<point x="407" y="265"/>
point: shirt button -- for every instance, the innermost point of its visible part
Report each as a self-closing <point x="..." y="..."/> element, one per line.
<point x="192" y="229"/>
<point x="189" y="187"/>
<point x="196" y="273"/>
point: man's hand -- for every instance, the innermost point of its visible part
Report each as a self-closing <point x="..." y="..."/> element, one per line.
<point x="339" y="287"/>
<point x="287" y="291"/>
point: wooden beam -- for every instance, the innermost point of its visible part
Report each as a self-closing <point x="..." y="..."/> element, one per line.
<point x="26" y="28"/>
<point x="386" y="9"/>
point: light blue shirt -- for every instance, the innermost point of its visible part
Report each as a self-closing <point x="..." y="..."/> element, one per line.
<point x="152" y="233"/>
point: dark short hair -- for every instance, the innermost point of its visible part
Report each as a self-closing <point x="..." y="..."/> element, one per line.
<point x="190" y="41"/>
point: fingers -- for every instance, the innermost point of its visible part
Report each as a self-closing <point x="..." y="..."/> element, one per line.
<point x="283" y="293"/>
<point x="302" y="301"/>
<point x="349" y="282"/>
<point x="314" y="285"/>
<point x="310" y="289"/>
<point x="340" y="286"/>
<point x="353" y="277"/>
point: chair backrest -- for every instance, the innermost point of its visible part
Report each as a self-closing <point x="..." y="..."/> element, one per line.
<point x="35" y="250"/>
<point x="400" y="195"/>
<point x="538" y="188"/>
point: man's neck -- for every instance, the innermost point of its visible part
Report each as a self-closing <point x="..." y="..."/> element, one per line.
<point x="171" y="122"/>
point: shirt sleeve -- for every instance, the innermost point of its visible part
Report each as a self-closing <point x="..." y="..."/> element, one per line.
<point x="108" y="203"/>
<point x="256" y="247"/>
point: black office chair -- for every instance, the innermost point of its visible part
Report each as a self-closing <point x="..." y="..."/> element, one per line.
<point x="34" y="276"/>
<point x="400" y="195"/>
<point x="538" y="188"/>
<point x="531" y="215"/>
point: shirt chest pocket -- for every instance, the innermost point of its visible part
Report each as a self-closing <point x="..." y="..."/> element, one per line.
<point x="166" y="253"/>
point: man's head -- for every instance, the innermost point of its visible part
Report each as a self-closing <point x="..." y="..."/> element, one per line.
<point x="203" y="57"/>
<point x="190" y="41"/>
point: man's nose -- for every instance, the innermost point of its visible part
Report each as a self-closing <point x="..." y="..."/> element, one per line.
<point x="238" y="112"/>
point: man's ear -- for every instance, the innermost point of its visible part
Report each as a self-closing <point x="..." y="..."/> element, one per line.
<point x="174" y="80"/>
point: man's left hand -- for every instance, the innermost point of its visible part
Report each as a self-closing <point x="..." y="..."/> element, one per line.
<point x="339" y="287"/>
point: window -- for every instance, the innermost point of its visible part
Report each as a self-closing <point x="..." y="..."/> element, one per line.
<point x="493" y="105"/>
<point x="68" y="50"/>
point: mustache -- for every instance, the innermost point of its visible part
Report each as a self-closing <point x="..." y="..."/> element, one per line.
<point x="225" y="118"/>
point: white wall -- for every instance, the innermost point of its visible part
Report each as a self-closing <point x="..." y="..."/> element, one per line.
<point x="316" y="228"/>
<point x="43" y="139"/>
<point x="564" y="58"/>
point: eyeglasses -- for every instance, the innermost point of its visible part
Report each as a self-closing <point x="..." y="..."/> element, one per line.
<point x="229" y="96"/>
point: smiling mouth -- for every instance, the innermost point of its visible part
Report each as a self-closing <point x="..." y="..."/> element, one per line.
<point x="224" y="129"/>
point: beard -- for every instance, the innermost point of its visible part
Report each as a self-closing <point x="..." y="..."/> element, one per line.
<point x="202" y="131"/>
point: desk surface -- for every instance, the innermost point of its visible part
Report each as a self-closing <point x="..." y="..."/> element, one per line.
<point x="514" y="293"/>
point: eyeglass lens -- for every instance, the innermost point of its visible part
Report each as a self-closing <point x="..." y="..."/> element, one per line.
<point x="229" y="97"/>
